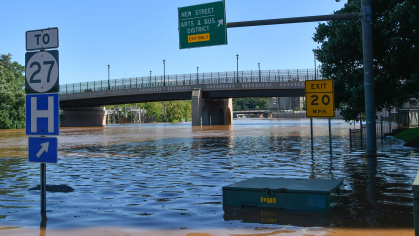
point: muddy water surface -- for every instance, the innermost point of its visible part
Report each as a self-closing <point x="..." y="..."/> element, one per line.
<point x="170" y="176"/>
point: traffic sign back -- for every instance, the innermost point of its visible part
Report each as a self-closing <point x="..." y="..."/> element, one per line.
<point x="202" y="25"/>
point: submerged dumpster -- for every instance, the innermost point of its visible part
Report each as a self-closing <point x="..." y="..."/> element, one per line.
<point x="294" y="194"/>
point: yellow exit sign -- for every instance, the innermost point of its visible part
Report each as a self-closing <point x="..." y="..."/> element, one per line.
<point x="319" y="99"/>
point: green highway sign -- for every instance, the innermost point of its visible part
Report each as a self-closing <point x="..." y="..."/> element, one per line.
<point x="202" y="25"/>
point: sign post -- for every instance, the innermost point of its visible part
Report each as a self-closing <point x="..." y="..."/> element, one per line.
<point x="320" y="102"/>
<point x="202" y="25"/>
<point x="42" y="106"/>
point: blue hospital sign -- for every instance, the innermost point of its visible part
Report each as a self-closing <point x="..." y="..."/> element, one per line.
<point x="42" y="149"/>
<point x="42" y="114"/>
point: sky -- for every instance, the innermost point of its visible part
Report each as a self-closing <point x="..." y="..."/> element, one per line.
<point x="134" y="37"/>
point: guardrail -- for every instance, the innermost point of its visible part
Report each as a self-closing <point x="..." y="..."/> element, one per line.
<point x="192" y="79"/>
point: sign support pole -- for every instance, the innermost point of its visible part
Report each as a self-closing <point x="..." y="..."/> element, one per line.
<point x="37" y="89"/>
<point x="368" y="77"/>
<point x="311" y="128"/>
<point x="43" y="187"/>
<point x="330" y="135"/>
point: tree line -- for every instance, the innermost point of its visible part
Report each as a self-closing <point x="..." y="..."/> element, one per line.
<point x="176" y="111"/>
<point x="12" y="94"/>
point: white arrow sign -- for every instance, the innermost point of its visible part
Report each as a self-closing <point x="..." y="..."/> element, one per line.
<point x="220" y="22"/>
<point x="44" y="148"/>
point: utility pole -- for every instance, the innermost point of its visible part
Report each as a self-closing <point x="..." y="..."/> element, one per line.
<point x="368" y="77"/>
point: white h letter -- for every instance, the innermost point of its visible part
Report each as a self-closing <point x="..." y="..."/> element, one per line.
<point x="35" y="114"/>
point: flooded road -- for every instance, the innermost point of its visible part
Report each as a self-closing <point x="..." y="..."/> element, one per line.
<point x="170" y="176"/>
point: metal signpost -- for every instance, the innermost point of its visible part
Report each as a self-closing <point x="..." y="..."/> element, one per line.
<point x="202" y="25"/>
<point x="42" y="106"/>
<point x="320" y="103"/>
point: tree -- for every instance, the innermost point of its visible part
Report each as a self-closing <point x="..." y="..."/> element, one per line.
<point x="175" y="111"/>
<point x="250" y="103"/>
<point x="395" y="51"/>
<point x="154" y="109"/>
<point x="12" y="95"/>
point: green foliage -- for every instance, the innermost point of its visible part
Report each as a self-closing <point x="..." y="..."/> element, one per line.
<point x="175" y="110"/>
<point x="408" y="135"/>
<point x="12" y="94"/>
<point x="395" y="51"/>
<point x="250" y="103"/>
<point x="154" y="109"/>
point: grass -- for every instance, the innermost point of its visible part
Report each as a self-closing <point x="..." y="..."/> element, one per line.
<point x="408" y="135"/>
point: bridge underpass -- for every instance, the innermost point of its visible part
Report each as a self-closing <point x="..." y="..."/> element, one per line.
<point x="210" y="97"/>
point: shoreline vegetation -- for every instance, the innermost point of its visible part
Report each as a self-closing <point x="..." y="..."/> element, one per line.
<point x="410" y="136"/>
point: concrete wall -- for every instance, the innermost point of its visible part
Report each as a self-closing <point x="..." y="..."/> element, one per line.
<point x="210" y="111"/>
<point x="83" y="117"/>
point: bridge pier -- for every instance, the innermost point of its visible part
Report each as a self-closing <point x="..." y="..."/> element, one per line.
<point x="210" y="111"/>
<point x="83" y="117"/>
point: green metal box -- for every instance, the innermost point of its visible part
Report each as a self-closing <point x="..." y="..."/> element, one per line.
<point x="294" y="194"/>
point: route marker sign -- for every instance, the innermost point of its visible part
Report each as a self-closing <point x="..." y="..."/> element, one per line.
<point x="42" y="114"/>
<point x="202" y="25"/>
<point x="42" y="39"/>
<point x="42" y="72"/>
<point x="42" y="149"/>
<point x="42" y="109"/>
<point x="319" y="99"/>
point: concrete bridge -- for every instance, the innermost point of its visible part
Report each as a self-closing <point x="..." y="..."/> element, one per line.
<point x="210" y="93"/>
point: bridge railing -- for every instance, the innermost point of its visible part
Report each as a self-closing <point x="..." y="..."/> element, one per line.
<point x="252" y="76"/>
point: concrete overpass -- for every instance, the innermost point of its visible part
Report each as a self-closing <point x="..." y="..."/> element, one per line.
<point x="211" y="97"/>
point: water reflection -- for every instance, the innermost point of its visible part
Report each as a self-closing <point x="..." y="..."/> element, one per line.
<point x="171" y="176"/>
<point x="43" y="225"/>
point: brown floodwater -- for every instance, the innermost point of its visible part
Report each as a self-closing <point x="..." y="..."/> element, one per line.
<point x="168" y="178"/>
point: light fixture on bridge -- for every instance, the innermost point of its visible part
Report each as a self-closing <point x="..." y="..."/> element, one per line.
<point x="197" y="69"/>
<point x="259" y="70"/>
<point x="164" y="69"/>
<point x="237" y="56"/>
<point x="109" y="78"/>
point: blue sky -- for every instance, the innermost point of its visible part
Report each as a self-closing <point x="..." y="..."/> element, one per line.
<point x="135" y="36"/>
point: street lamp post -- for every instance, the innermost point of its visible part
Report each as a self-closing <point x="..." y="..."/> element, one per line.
<point x="164" y="69"/>
<point x="197" y="75"/>
<point x="259" y="70"/>
<point x="237" y="56"/>
<point x="109" y="78"/>
<point x="150" y="78"/>
<point x="315" y="68"/>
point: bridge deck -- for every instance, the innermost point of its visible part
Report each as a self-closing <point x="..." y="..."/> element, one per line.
<point x="272" y="85"/>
